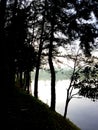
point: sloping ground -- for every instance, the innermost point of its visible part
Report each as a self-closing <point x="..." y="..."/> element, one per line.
<point x="27" y="113"/>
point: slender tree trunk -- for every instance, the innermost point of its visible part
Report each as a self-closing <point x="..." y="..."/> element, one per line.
<point x="21" y="83"/>
<point x="69" y="90"/>
<point x="3" y="47"/>
<point x="39" y="56"/>
<point x="37" y="71"/>
<point x="11" y="50"/>
<point x="27" y="79"/>
<point x="53" y="94"/>
<point x="28" y="82"/>
<point x="66" y="105"/>
<point x="52" y="70"/>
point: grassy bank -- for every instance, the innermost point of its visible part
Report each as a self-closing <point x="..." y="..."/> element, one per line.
<point x="27" y="113"/>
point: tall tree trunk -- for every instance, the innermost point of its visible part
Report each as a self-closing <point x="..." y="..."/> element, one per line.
<point x="39" y="56"/>
<point x="66" y="105"/>
<point x="53" y="94"/>
<point x="11" y="50"/>
<point x="3" y="47"/>
<point x="37" y="71"/>
<point x="52" y="70"/>
<point x="20" y="78"/>
<point x="27" y="76"/>
<point x="69" y="90"/>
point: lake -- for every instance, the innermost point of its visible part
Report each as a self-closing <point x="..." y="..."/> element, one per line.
<point x="82" y="111"/>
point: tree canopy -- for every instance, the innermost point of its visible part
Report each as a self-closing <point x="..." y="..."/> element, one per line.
<point x="29" y="27"/>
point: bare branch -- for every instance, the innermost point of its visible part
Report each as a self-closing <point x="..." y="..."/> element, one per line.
<point x="74" y="94"/>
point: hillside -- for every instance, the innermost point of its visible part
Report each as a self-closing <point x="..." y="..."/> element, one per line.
<point x="27" y="113"/>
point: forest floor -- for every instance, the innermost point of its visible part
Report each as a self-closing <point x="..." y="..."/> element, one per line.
<point x="27" y="113"/>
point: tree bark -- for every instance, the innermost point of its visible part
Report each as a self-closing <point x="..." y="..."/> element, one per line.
<point x="21" y="80"/>
<point x="66" y="105"/>
<point x="37" y="71"/>
<point x="27" y="76"/>
<point x="52" y="70"/>
<point x="39" y="56"/>
<point x="3" y="47"/>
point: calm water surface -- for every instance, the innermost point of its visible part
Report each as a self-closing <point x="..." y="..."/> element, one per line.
<point x="82" y="111"/>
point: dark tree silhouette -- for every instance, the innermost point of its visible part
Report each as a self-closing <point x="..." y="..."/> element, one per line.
<point x="3" y="51"/>
<point x="52" y="70"/>
<point x="71" y="18"/>
<point x="83" y="78"/>
<point x="73" y="24"/>
<point x="40" y="49"/>
<point x="16" y="37"/>
<point x="25" y="53"/>
<point x="88" y="82"/>
<point x="15" y="41"/>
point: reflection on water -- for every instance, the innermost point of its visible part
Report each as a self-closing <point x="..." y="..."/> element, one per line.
<point x="83" y="112"/>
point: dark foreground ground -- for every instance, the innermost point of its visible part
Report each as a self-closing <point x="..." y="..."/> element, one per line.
<point x="27" y="113"/>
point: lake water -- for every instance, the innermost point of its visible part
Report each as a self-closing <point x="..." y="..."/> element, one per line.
<point x="82" y="111"/>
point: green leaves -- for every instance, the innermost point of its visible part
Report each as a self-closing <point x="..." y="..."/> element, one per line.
<point x="88" y="84"/>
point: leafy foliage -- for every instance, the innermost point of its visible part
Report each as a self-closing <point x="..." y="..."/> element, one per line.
<point x="87" y="82"/>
